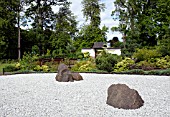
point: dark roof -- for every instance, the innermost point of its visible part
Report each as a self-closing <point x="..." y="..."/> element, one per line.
<point x="98" y="45"/>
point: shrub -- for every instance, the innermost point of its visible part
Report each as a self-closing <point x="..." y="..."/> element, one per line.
<point x="146" y="65"/>
<point x="18" y="66"/>
<point x="28" y="62"/>
<point x="134" y="71"/>
<point x="158" y="72"/>
<point x="45" y="68"/>
<point x="163" y="62"/>
<point x="52" y="66"/>
<point x="79" y="55"/>
<point x="150" y="64"/>
<point x="106" y="61"/>
<point x="145" y="54"/>
<point x="10" y="68"/>
<point x="123" y="65"/>
<point x="164" y="46"/>
<point x="86" y="54"/>
<point x="84" y="65"/>
<point x="37" y="68"/>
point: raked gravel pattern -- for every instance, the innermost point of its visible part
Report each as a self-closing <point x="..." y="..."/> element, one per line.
<point x="39" y="95"/>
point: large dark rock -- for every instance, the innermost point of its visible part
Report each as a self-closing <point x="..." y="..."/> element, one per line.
<point x="64" y="74"/>
<point x="77" y="76"/>
<point x="121" y="96"/>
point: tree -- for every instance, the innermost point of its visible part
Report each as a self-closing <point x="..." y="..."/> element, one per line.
<point x="20" y="8"/>
<point x="42" y="17"/>
<point x="8" y="36"/>
<point x="88" y="35"/>
<point x="92" y="33"/>
<point x="66" y="27"/>
<point x="40" y="11"/>
<point x="91" y="11"/>
<point x="141" y="22"/>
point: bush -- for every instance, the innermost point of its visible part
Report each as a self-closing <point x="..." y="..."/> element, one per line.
<point x="164" y="46"/>
<point x="43" y="68"/>
<point x="158" y="72"/>
<point x="150" y="64"/>
<point x="10" y="68"/>
<point x="79" y="55"/>
<point x="84" y="65"/>
<point x="134" y="71"/>
<point x="146" y="65"/>
<point x="52" y="66"/>
<point x="123" y="65"/>
<point x="28" y="62"/>
<point x="145" y="54"/>
<point x="86" y="55"/>
<point x="37" y="68"/>
<point x="106" y="61"/>
<point x="163" y="62"/>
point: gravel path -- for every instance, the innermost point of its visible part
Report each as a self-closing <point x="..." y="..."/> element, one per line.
<point x="39" y="95"/>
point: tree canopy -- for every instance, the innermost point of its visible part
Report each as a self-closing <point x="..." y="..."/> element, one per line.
<point x="143" y="23"/>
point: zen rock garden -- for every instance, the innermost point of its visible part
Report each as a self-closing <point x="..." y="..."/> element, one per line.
<point x="119" y="95"/>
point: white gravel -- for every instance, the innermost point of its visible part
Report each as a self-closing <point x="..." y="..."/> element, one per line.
<point x="39" y="95"/>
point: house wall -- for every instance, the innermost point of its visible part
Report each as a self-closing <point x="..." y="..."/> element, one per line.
<point x="90" y="50"/>
<point x="109" y="50"/>
<point x="114" y="51"/>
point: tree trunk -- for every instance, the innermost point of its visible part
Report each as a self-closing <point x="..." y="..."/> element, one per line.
<point x="19" y="37"/>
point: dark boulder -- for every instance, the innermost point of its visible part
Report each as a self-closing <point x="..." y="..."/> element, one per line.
<point x="64" y="74"/>
<point x="121" y="96"/>
<point x="77" y="76"/>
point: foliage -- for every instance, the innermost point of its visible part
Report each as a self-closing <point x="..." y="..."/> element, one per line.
<point x="84" y="65"/>
<point x="106" y="61"/>
<point x="10" y="68"/>
<point x="80" y="55"/>
<point x="91" y="10"/>
<point x="163" y="62"/>
<point x="52" y="66"/>
<point x="134" y="71"/>
<point x="146" y="65"/>
<point x="91" y="33"/>
<point x="123" y="65"/>
<point x="152" y="63"/>
<point x="86" y="55"/>
<point x="43" y="68"/>
<point x="164" y="46"/>
<point x="66" y="27"/>
<point x="145" y="54"/>
<point x="41" y="13"/>
<point x="143" y="23"/>
<point x="158" y="72"/>
<point x="28" y="62"/>
<point x="88" y="35"/>
<point x="8" y="35"/>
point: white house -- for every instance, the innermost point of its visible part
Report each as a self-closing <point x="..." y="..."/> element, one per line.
<point x="98" y="47"/>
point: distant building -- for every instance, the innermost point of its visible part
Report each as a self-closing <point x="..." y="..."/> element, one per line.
<point x="98" y="47"/>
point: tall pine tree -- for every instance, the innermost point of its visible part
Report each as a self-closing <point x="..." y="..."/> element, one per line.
<point x="66" y="27"/>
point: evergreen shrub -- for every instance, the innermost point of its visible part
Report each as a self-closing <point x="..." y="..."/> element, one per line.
<point x="106" y="61"/>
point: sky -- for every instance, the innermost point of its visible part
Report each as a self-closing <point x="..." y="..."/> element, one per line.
<point x="106" y="18"/>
